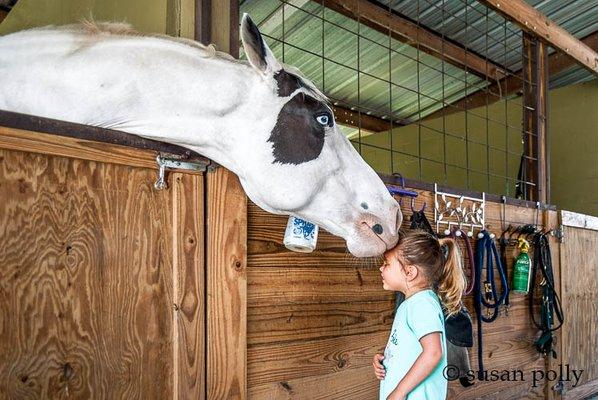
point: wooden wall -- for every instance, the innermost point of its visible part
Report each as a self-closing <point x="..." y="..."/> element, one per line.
<point x="104" y="290"/>
<point x="579" y="264"/>
<point x="101" y="276"/>
<point x="315" y="321"/>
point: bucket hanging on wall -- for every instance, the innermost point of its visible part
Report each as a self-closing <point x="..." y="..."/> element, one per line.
<point x="300" y="236"/>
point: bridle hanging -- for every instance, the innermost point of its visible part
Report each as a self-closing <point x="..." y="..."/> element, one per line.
<point x="487" y="297"/>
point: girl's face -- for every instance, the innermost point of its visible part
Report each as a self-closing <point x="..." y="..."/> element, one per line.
<point x="394" y="273"/>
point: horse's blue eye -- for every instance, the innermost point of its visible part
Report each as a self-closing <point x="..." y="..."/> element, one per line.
<point x="323" y="119"/>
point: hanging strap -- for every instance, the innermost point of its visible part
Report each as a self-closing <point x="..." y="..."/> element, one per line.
<point x="521" y="178"/>
<point x="419" y="221"/>
<point x="487" y="296"/>
<point x="551" y="302"/>
<point x="470" y="258"/>
<point x="503" y="243"/>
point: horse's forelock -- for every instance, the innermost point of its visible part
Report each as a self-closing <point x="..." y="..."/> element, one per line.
<point x="307" y="84"/>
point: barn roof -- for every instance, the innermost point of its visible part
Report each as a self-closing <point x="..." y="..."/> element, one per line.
<point x="324" y="45"/>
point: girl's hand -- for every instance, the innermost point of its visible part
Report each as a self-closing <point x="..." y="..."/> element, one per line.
<point x="379" y="369"/>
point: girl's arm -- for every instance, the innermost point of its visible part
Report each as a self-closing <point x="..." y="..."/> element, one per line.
<point x="422" y="367"/>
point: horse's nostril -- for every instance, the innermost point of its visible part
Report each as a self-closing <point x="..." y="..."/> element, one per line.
<point x="377" y="229"/>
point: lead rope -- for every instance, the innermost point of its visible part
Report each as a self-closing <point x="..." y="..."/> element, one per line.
<point x="551" y="303"/>
<point x="490" y="299"/>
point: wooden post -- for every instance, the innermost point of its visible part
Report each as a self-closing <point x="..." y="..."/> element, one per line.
<point x="541" y="121"/>
<point x="535" y="82"/>
<point x="180" y="18"/>
<point x="226" y="252"/>
<point x="227" y="287"/>
<point x="203" y="23"/>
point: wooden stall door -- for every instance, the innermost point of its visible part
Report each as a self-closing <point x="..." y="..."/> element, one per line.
<point x="579" y="270"/>
<point x="101" y="276"/>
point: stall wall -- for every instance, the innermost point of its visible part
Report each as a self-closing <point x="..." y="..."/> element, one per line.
<point x="316" y="320"/>
<point x="33" y="13"/>
<point x="573" y="140"/>
<point x="572" y="126"/>
<point x="101" y="276"/>
<point x="480" y="131"/>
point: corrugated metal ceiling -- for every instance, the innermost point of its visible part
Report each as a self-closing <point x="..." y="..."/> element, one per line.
<point x="362" y="68"/>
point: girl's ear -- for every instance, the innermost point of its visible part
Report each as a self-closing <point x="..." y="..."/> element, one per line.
<point x="411" y="272"/>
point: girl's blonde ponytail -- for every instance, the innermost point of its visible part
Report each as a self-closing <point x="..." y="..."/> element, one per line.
<point x="451" y="283"/>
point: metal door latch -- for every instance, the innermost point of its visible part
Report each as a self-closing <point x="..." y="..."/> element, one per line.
<point x="173" y="163"/>
<point x="559" y="233"/>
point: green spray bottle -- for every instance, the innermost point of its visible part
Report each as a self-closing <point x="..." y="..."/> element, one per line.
<point x="521" y="269"/>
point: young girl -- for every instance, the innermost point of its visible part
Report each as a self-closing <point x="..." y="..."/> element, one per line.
<point x="428" y="271"/>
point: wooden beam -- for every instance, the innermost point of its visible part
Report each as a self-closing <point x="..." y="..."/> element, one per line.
<point x="557" y="62"/>
<point x="543" y="188"/>
<point x="83" y="137"/>
<point x="537" y="24"/>
<point x="405" y="30"/>
<point x="346" y="116"/>
<point x="534" y="117"/>
<point x="226" y="372"/>
<point x="203" y="24"/>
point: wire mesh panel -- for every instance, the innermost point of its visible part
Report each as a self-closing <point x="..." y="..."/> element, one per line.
<point x="430" y="89"/>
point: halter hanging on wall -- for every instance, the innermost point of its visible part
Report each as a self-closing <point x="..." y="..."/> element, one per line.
<point x="457" y="210"/>
<point x="401" y="190"/>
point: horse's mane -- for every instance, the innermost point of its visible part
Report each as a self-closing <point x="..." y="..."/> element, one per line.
<point x="98" y="30"/>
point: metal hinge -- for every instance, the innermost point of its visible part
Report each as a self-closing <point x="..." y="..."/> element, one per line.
<point x="559" y="233"/>
<point x="171" y="162"/>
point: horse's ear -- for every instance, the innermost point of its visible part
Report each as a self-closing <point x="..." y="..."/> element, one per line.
<point x="258" y="53"/>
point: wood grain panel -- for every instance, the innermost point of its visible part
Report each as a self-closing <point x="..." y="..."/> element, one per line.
<point x="270" y="286"/>
<point x="300" y="306"/>
<point x="551" y="218"/>
<point x="188" y="286"/>
<point x="290" y="322"/>
<point x="579" y="261"/>
<point x="587" y="391"/>
<point x="93" y="262"/>
<point x="300" y="359"/>
<point x="86" y="280"/>
<point x="43" y="143"/>
<point x="358" y="383"/>
<point x="227" y="286"/>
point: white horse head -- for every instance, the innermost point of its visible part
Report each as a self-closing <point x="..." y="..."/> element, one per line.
<point x="261" y="120"/>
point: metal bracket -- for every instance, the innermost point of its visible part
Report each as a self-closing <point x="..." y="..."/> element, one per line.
<point x="467" y="212"/>
<point x="559" y="233"/>
<point x="174" y="163"/>
<point x="559" y="387"/>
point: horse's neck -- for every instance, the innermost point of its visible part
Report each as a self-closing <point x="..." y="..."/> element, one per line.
<point x="147" y="86"/>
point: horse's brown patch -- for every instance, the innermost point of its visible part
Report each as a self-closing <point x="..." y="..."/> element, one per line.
<point x="297" y="136"/>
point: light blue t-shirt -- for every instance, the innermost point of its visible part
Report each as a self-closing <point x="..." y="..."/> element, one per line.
<point x="417" y="316"/>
